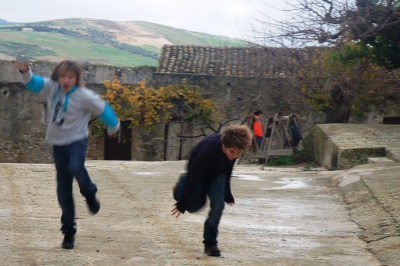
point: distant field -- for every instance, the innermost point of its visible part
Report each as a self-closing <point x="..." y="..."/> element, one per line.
<point x="184" y="37"/>
<point x="68" y="47"/>
<point x="129" y="43"/>
<point x="222" y="41"/>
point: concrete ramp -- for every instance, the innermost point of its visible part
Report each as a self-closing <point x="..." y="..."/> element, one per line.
<point x="343" y="146"/>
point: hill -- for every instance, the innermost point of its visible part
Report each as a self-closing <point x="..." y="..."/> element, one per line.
<point x="118" y="43"/>
<point x="5" y="22"/>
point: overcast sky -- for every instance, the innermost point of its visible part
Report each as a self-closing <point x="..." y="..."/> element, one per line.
<point x="232" y="18"/>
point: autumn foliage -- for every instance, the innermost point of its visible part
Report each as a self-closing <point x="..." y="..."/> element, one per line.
<point x="148" y="107"/>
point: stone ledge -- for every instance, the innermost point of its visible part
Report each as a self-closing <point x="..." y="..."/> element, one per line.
<point x="380" y="160"/>
<point x="371" y="194"/>
<point x="343" y="146"/>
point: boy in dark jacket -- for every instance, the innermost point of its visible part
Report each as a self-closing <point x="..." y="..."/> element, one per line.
<point x="208" y="174"/>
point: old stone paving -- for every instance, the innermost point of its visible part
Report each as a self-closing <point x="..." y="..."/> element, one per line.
<point x="283" y="216"/>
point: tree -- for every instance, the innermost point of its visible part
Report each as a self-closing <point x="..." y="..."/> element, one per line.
<point x="373" y="24"/>
<point x="148" y="107"/>
<point x="228" y="112"/>
<point x="343" y="81"/>
<point x="356" y="47"/>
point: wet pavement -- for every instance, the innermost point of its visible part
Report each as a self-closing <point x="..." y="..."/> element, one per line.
<point x="283" y="216"/>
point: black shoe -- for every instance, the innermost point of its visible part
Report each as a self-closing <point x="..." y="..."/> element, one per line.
<point x="69" y="238"/>
<point x="212" y="250"/>
<point x="93" y="204"/>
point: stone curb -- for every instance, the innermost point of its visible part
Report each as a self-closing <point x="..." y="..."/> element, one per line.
<point x="371" y="194"/>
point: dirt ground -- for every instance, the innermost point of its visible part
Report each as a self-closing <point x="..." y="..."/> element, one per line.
<point x="282" y="216"/>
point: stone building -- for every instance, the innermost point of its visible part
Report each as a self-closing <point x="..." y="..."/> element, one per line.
<point x="23" y="114"/>
<point x="239" y="80"/>
<point x="237" y="76"/>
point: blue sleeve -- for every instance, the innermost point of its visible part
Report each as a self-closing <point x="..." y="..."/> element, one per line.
<point x="36" y="84"/>
<point x="108" y="116"/>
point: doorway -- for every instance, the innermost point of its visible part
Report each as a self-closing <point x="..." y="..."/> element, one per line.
<point x="178" y="141"/>
<point x="391" y="120"/>
<point x="119" y="147"/>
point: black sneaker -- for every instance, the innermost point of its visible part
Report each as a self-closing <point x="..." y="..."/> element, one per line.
<point x="212" y="250"/>
<point x="69" y="238"/>
<point x="93" y="204"/>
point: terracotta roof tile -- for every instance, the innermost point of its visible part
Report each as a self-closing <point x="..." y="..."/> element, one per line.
<point x="222" y="61"/>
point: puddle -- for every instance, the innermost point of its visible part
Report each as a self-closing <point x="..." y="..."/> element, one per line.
<point x="247" y="177"/>
<point x="257" y="226"/>
<point x="289" y="184"/>
<point x="287" y="211"/>
<point x="149" y="173"/>
<point x="4" y="212"/>
<point x="246" y="224"/>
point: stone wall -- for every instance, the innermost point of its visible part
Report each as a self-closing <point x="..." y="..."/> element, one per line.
<point x="22" y="116"/>
<point x="22" y="124"/>
<point x="271" y="95"/>
<point x="233" y="93"/>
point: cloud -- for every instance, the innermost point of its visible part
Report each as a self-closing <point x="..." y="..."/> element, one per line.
<point x="220" y="17"/>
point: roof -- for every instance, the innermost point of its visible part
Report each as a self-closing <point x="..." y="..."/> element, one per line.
<point x="222" y="61"/>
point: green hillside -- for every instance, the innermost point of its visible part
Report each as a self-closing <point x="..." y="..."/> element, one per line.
<point x="115" y="43"/>
<point x="54" y="46"/>
<point x="185" y="37"/>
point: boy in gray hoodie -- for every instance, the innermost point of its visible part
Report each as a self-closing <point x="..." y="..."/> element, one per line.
<point x="70" y="105"/>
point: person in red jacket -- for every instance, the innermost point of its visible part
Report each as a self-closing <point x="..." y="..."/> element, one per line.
<point x="208" y="174"/>
<point x="257" y="128"/>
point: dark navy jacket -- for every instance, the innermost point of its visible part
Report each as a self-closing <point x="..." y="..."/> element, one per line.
<point x="206" y="161"/>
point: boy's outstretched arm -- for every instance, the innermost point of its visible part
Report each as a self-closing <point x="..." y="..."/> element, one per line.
<point x="32" y="82"/>
<point x="110" y="119"/>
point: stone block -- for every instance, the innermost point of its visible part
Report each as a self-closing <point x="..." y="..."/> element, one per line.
<point x="349" y="158"/>
<point x="380" y="160"/>
<point x="320" y="147"/>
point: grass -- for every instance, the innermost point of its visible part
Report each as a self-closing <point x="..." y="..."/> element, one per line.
<point x="16" y="49"/>
<point x="282" y="160"/>
<point x="220" y="41"/>
<point x="67" y="47"/>
<point x="152" y="49"/>
<point x="184" y="37"/>
<point x="83" y="40"/>
<point x="299" y="156"/>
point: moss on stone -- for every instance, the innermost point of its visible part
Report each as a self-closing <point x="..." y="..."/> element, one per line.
<point x="348" y="158"/>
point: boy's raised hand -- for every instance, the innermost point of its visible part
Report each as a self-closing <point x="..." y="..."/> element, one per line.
<point x="22" y="67"/>
<point x="112" y="131"/>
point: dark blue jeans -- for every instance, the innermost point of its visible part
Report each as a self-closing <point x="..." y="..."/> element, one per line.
<point x="70" y="163"/>
<point x="259" y="141"/>
<point x="215" y="190"/>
